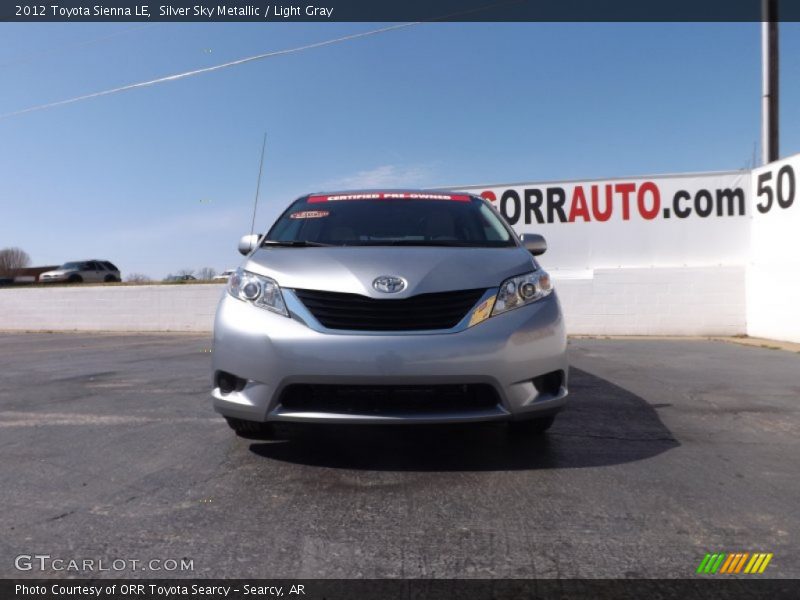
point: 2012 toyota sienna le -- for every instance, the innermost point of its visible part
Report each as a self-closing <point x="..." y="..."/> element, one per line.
<point x="390" y="306"/>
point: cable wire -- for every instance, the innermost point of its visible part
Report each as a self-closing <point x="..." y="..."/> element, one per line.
<point x="233" y="63"/>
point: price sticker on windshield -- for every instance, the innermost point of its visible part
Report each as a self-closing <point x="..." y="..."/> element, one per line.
<point x="309" y="214"/>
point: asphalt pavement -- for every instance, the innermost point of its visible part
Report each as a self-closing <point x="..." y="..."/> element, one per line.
<point x="669" y="449"/>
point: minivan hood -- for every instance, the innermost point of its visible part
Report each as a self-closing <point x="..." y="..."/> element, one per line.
<point x="425" y="269"/>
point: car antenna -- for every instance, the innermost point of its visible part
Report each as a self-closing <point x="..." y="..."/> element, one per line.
<point x="258" y="184"/>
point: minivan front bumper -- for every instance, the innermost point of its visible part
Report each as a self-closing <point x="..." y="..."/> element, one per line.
<point x="519" y="355"/>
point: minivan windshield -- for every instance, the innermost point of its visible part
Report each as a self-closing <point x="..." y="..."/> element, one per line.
<point x="390" y="219"/>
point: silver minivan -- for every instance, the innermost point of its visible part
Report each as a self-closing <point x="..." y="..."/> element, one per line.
<point x="389" y="306"/>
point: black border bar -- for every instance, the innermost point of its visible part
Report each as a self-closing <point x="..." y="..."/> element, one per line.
<point x="391" y="11"/>
<point x="703" y="587"/>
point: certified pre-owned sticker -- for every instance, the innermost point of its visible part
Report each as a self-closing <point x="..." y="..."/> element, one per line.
<point x="390" y="196"/>
<point x="309" y="214"/>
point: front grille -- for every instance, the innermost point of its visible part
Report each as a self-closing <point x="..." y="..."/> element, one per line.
<point x="389" y="399"/>
<point x="441" y="310"/>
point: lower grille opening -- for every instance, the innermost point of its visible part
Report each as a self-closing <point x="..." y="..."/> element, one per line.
<point x="549" y="383"/>
<point x="389" y="399"/>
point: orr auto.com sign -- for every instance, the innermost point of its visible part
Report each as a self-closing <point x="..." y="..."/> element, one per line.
<point x="662" y="221"/>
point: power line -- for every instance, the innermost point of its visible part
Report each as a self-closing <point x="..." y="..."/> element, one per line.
<point x="233" y="63"/>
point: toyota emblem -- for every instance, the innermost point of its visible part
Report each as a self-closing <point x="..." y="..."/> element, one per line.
<point x="389" y="284"/>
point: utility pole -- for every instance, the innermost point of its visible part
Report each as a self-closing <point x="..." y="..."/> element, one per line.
<point x="769" y="81"/>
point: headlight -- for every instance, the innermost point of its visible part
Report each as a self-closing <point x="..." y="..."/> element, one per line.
<point x="257" y="290"/>
<point x="521" y="290"/>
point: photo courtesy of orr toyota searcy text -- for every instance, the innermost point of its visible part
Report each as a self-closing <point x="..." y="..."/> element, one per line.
<point x="138" y="590"/>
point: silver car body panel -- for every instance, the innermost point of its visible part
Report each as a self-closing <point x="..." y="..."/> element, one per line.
<point x="272" y="351"/>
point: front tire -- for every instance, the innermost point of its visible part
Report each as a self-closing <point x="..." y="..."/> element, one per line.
<point x="75" y="279"/>
<point x="110" y="279"/>
<point x="251" y="429"/>
<point x="530" y="427"/>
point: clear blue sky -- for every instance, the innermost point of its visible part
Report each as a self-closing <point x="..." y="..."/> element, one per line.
<point x="163" y="178"/>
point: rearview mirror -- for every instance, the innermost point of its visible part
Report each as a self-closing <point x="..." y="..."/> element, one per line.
<point x="534" y="243"/>
<point x="248" y="243"/>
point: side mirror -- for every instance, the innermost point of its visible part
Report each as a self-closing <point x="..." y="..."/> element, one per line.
<point x="248" y="243"/>
<point x="534" y="243"/>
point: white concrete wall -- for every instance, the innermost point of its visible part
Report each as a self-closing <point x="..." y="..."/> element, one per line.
<point x="773" y="274"/>
<point x="110" y="308"/>
<point x="677" y="301"/>
<point x="687" y="301"/>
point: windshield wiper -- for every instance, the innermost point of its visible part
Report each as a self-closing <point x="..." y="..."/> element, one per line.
<point x="292" y="243"/>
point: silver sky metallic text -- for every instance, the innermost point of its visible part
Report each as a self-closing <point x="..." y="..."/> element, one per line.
<point x="247" y="10"/>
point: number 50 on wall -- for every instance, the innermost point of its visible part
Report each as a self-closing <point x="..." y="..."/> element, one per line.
<point x="781" y="191"/>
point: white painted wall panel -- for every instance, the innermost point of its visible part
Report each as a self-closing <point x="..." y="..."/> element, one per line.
<point x="110" y="308"/>
<point x="688" y="301"/>
<point x="773" y="274"/>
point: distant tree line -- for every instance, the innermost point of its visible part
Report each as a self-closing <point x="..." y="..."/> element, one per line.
<point x="12" y="260"/>
<point x="204" y="274"/>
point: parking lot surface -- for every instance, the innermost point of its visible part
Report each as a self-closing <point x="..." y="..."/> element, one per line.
<point x="668" y="449"/>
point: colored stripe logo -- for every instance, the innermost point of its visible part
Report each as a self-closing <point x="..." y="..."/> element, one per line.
<point x="725" y="563"/>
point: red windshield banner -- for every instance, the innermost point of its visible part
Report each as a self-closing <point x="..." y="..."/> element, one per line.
<point x="389" y="196"/>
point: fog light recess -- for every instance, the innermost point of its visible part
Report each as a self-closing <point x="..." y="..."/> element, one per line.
<point x="549" y="383"/>
<point x="228" y="382"/>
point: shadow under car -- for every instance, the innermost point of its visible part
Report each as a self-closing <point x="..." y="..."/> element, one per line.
<point x="602" y="424"/>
